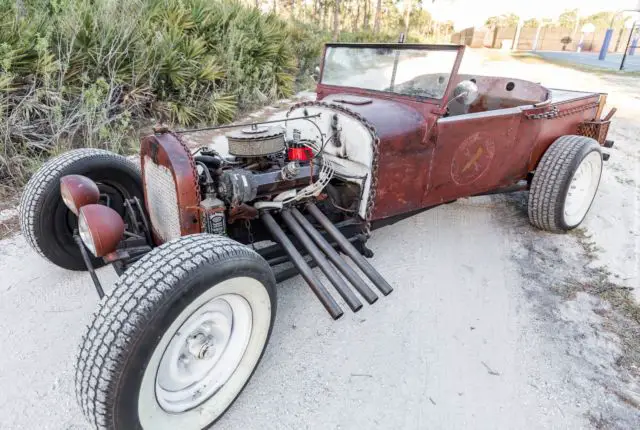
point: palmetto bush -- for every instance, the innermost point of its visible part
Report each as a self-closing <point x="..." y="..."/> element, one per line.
<point x="90" y="72"/>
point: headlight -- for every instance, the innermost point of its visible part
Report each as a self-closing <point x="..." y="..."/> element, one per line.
<point x="78" y="191"/>
<point x="85" y="233"/>
<point x="101" y="229"/>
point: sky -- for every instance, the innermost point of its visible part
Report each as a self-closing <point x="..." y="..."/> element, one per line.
<point x="468" y="13"/>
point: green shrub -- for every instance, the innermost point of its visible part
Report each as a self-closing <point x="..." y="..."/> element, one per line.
<point x="307" y="42"/>
<point x="90" y="73"/>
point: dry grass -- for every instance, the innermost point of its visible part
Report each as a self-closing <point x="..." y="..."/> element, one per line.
<point x="8" y="202"/>
<point x="623" y="318"/>
<point x="9" y="227"/>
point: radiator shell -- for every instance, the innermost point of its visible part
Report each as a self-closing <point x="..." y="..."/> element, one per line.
<point x="171" y="191"/>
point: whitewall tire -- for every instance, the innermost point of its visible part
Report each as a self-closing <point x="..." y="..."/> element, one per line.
<point x="179" y="337"/>
<point x="565" y="183"/>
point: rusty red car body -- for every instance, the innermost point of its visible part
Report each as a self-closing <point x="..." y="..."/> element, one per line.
<point x="200" y="239"/>
<point x="427" y="158"/>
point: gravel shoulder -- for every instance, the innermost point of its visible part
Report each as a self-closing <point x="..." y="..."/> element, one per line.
<point x="492" y="324"/>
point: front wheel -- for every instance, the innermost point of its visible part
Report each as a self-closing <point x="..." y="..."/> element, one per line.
<point x="179" y="337"/>
<point x="45" y="220"/>
<point x="565" y="183"/>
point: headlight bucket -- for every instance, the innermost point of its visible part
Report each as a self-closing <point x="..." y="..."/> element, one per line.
<point x="101" y="228"/>
<point x="78" y="191"/>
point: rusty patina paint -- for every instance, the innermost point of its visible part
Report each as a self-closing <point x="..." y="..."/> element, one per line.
<point x="548" y="130"/>
<point x="105" y="225"/>
<point x="79" y="190"/>
<point x="501" y="93"/>
<point x="166" y="150"/>
<point x="403" y="124"/>
<point x="474" y="155"/>
<point x="401" y="174"/>
<point x="427" y="158"/>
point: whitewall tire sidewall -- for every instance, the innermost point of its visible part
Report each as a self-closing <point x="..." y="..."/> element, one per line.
<point x="153" y="416"/>
<point x="582" y="189"/>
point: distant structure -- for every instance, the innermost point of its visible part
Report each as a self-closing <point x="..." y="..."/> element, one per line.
<point x="604" y="49"/>
<point x="545" y="38"/>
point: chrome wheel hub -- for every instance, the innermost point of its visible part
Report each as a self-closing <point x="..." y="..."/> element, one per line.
<point x="201" y="345"/>
<point x="203" y="353"/>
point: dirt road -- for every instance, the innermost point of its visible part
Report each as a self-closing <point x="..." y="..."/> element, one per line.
<point x="492" y="324"/>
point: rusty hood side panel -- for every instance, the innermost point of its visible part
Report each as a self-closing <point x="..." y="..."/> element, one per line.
<point x="403" y="150"/>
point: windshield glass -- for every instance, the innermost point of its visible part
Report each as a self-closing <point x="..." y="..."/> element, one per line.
<point x="412" y="72"/>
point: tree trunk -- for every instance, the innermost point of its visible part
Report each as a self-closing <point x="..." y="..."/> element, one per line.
<point x="293" y="8"/>
<point x="325" y="14"/>
<point x="367" y="6"/>
<point x="376" y="23"/>
<point x="407" y="14"/>
<point x="355" y="22"/>
<point x="275" y="6"/>
<point x="257" y="4"/>
<point x="336" y="20"/>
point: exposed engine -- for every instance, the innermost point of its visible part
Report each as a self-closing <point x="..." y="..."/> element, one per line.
<point x="262" y="168"/>
<point x="319" y="154"/>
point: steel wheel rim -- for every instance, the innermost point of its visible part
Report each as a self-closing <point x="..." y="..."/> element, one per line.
<point x="582" y="188"/>
<point x="151" y="414"/>
<point x="203" y="353"/>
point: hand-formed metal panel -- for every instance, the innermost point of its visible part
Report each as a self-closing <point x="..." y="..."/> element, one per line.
<point x="569" y="116"/>
<point x="425" y="157"/>
<point x="169" y="178"/>
<point x="476" y="153"/>
<point x="400" y="154"/>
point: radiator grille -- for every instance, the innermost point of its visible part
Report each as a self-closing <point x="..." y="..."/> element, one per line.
<point x="162" y="200"/>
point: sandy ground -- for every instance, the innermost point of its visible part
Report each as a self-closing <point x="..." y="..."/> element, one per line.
<point x="492" y="325"/>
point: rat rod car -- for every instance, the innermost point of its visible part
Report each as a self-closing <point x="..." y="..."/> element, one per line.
<point x="199" y="239"/>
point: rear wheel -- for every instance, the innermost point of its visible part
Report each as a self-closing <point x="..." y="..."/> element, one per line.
<point x="565" y="183"/>
<point x="179" y="337"/>
<point x="45" y="220"/>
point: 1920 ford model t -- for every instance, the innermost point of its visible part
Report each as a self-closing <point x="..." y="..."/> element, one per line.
<point x="395" y="130"/>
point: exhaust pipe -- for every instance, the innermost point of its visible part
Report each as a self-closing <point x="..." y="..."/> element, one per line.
<point x="350" y="250"/>
<point x="337" y="261"/>
<point x="316" y="286"/>
<point x="333" y="276"/>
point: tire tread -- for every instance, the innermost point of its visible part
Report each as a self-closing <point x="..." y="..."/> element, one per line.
<point x="554" y="170"/>
<point x="122" y="315"/>
<point x="31" y="201"/>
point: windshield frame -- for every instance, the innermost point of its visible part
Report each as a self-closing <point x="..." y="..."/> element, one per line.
<point x="398" y="46"/>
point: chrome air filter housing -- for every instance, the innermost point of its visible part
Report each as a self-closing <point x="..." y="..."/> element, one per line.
<point x="256" y="141"/>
